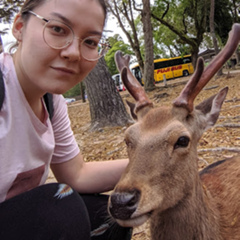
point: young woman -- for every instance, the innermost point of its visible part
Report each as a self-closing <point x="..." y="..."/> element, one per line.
<point x="58" y="45"/>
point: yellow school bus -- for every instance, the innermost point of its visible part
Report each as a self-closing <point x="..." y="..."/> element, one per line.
<point x="170" y="67"/>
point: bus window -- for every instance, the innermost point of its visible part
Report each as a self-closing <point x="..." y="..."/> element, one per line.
<point x="135" y="69"/>
<point x="187" y="59"/>
<point x="138" y="74"/>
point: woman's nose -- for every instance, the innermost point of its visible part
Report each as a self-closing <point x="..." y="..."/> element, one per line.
<point x="73" y="51"/>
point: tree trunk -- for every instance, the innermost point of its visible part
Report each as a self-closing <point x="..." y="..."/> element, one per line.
<point x="148" y="74"/>
<point x="82" y="91"/>
<point x="106" y="105"/>
<point x="194" y="53"/>
<point x="212" y="30"/>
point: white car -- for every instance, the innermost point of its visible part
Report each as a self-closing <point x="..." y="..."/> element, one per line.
<point x="118" y="82"/>
<point x="69" y="100"/>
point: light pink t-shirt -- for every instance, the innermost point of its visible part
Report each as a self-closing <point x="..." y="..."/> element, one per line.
<point x="28" y="146"/>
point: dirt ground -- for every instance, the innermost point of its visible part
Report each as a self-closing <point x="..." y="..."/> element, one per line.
<point x="222" y="141"/>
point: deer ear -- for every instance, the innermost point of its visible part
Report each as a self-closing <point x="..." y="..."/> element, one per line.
<point x="136" y="112"/>
<point x="132" y="109"/>
<point x="212" y="106"/>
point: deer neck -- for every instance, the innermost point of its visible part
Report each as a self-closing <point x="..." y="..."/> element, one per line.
<point x="194" y="217"/>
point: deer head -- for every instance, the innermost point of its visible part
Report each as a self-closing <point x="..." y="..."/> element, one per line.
<point x="162" y="144"/>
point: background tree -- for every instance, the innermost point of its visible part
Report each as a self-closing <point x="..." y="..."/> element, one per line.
<point x="223" y="19"/>
<point x="8" y="10"/>
<point x="179" y="26"/>
<point x="125" y="15"/>
<point x="116" y="43"/>
<point x="167" y="44"/>
<point x="189" y="20"/>
<point x="212" y="31"/>
<point x="148" y="73"/>
<point x="123" y="12"/>
<point x="106" y="105"/>
<point x="73" y="92"/>
<point x="186" y="18"/>
<point x="233" y="8"/>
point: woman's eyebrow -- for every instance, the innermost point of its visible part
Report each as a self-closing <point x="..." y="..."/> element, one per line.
<point x="95" y="33"/>
<point x="68" y="22"/>
<point x="60" y="16"/>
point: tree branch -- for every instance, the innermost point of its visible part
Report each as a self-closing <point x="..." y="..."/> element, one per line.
<point x="181" y="35"/>
<point x="220" y="149"/>
<point x="166" y="10"/>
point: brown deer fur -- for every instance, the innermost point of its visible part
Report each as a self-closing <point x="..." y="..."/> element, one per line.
<point x="162" y="179"/>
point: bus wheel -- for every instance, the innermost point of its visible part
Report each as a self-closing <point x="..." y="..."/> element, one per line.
<point x="185" y="73"/>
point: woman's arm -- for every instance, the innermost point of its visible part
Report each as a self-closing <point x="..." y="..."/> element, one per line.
<point x="89" y="177"/>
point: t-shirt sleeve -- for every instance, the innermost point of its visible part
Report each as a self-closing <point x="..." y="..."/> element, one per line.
<point x="66" y="146"/>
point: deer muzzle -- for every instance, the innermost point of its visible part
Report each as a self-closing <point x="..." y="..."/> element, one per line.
<point x="123" y="207"/>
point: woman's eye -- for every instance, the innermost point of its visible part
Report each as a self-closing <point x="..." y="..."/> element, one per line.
<point x="91" y="43"/>
<point x="58" y="29"/>
<point x="182" y="142"/>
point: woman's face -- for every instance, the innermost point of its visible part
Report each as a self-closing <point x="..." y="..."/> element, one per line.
<point x="44" y="69"/>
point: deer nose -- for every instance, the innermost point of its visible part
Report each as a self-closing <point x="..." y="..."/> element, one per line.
<point x="123" y="204"/>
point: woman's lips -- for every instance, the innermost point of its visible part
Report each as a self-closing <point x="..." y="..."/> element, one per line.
<point x="64" y="70"/>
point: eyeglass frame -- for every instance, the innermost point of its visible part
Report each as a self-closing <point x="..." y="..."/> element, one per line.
<point x="103" y="50"/>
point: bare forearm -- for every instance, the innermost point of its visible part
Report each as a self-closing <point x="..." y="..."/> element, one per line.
<point x="100" y="176"/>
<point x="91" y="177"/>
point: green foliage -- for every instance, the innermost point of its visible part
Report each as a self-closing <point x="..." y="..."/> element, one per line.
<point x="73" y="92"/>
<point x="223" y="11"/>
<point x="116" y="44"/>
<point x="189" y="16"/>
<point x="166" y="42"/>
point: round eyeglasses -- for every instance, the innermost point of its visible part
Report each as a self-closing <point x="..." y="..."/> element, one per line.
<point x="59" y="35"/>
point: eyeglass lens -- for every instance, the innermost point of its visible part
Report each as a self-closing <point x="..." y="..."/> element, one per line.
<point x="58" y="35"/>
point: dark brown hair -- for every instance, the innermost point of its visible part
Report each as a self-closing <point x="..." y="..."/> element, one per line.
<point x="31" y="4"/>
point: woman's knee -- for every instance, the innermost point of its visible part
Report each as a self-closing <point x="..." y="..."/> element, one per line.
<point x="52" y="211"/>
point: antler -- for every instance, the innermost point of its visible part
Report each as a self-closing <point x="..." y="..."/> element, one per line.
<point x="200" y="78"/>
<point x="130" y="82"/>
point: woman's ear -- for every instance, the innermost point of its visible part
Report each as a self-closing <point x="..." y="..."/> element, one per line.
<point x="17" y="28"/>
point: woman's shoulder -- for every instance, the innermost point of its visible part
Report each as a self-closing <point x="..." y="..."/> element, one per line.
<point x="6" y="62"/>
<point x="58" y="101"/>
<point x="5" y="58"/>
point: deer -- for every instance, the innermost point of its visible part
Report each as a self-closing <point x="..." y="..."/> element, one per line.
<point x="162" y="183"/>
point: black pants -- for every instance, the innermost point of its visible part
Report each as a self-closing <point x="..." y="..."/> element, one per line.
<point x="56" y="212"/>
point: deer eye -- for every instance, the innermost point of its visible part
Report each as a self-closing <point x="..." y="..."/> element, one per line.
<point x="182" y="142"/>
